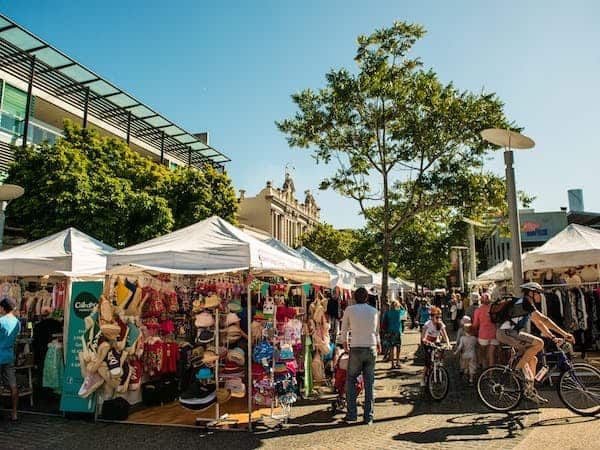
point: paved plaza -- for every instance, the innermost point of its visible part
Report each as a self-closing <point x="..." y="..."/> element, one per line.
<point x="404" y="418"/>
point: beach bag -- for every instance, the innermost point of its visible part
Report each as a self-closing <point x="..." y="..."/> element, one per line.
<point x="115" y="409"/>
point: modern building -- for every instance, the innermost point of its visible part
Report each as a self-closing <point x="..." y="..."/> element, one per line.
<point x="539" y="227"/>
<point x="278" y="213"/>
<point x="41" y="86"/>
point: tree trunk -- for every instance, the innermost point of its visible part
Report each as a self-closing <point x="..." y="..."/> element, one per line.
<point x="386" y="239"/>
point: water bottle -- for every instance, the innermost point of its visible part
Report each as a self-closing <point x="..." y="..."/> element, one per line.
<point x="540" y="375"/>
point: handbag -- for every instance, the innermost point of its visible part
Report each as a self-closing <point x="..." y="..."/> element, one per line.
<point x="115" y="409"/>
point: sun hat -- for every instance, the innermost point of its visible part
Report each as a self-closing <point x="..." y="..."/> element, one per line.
<point x="237" y="356"/>
<point x="204" y="320"/>
<point x="235" y="306"/>
<point x="237" y="388"/>
<point x="234" y="333"/>
<point x="232" y="318"/>
<point x="209" y="357"/>
<point x="205" y="335"/>
<point x="223" y="395"/>
<point x="204" y="373"/>
<point x="197" y="356"/>
<point x="212" y="302"/>
<point x="110" y="331"/>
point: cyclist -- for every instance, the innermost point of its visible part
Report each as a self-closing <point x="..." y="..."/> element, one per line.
<point x="510" y="333"/>
<point x="431" y="332"/>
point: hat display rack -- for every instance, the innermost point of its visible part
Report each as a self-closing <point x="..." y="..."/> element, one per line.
<point x="205" y="307"/>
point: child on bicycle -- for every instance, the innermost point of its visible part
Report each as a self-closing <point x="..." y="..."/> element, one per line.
<point x="431" y="332"/>
<point x="466" y="349"/>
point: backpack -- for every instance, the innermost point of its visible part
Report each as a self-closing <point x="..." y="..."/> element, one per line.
<point x="501" y="309"/>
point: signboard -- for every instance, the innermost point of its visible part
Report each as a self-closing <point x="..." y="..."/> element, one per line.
<point x="84" y="297"/>
<point x="541" y="226"/>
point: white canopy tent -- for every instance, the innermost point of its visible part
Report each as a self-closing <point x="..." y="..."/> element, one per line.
<point x="500" y="272"/>
<point x="67" y="253"/>
<point x="208" y="247"/>
<point x="339" y="277"/>
<point x="362" y="275"/>
<point x="574" y="246"/>
<point x="308" y="264"/>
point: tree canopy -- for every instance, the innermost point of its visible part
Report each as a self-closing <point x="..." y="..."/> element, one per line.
<point x="329" y="243"/>
<point x="404" y="142"/>
<point x="102" y="187"/>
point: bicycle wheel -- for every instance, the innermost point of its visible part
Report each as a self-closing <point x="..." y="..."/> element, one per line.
<point x="499" y="388"/>
<point x="438" y="383"/>
<point x="579" y="389"/>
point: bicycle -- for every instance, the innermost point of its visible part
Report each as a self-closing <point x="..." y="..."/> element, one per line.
<point x="500" y="387"/>
<point x="438" y="379"/>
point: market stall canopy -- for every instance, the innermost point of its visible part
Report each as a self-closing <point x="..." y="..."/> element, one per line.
<point x="208" y="247"/>
<point x="500" y="272"/>
<point x="576" y="245"/>
<point x="392" y="283"/>
<point x="362" y="275"/>
<point x="339" y="277"/>
<point x="69" y="252"/>
<point x="405" y="284"/>
<point x="308" y="264"/>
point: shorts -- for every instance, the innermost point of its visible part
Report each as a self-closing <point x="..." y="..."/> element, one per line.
<point x="485" y="342"/>
<point x="7" y="375"/>
<point x="516" y="339"/>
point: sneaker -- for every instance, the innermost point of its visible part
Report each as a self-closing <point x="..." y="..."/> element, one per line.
<point x="531" y="393"/>
<point x="368" y="422"/>
<point x="90" y="383"/>
<point x="113" y="361"/>
<point x="349" y="420"/>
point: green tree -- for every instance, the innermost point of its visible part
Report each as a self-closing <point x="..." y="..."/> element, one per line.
<point x="104" y="188"/>
<point x="329" y="243"/>
<point x="402" y="139"/>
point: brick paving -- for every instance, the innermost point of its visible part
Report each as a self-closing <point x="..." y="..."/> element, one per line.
<point x="404" y="418"/>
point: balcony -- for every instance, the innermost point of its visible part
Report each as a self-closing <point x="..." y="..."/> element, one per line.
<point x="38" y="131"/>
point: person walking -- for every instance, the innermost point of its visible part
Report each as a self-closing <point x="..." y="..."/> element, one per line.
<point x="361" y="321"/>
<point x="424" y="312"/>
<point x="486" y="332"/>
<point x="392" y="331"/>
<point x="9" y="330"/>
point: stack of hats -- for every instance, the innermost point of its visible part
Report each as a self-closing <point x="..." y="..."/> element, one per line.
<point x="204" y="322"/>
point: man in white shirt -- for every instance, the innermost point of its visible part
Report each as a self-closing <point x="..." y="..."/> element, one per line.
<point x="362" y="322"/>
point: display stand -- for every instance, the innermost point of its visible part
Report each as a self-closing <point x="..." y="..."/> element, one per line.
<point x="218" y="419"/>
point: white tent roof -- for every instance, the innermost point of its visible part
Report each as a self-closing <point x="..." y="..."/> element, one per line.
<point x="211" y="246"/>
<point x="392" y="283"/>
<point x="308" y="264"/>
<point x="69" y="252"/>
<point x="339" y="277"/>
<point x="500" y="272"/>
<point x="574" y="246"/>
<point x="362" y="275"/>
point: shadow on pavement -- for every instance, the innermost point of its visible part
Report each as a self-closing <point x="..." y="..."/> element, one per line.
<point x="567" y="420"/>
<point x="476" y="428"/>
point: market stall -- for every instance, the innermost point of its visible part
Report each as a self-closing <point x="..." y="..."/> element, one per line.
<point x="340" y="278"/>
<point x="362" y="275"/>
<point x="568" y="266"/>
<point x="39" y="276"/>
<point x="200" y="296"/>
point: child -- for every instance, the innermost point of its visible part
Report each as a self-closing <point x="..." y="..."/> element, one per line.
<point x="466" y="320"/>
<point x="431" y="332"/>
<point x="466" y="348"/>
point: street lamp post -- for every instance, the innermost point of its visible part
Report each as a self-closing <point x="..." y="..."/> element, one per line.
<point x="461" y="276"/>
<point x="8" y="192"/>
<point x="511" y="140"/>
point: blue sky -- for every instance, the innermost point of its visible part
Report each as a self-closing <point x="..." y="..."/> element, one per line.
<point x="229" y="67"/>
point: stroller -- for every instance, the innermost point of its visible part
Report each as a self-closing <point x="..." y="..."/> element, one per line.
<point x="341" y="372"/>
